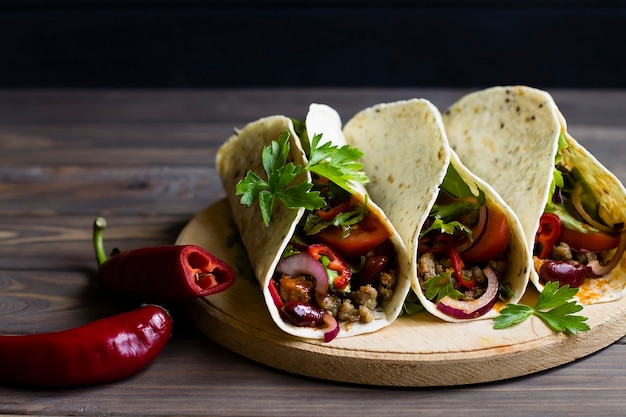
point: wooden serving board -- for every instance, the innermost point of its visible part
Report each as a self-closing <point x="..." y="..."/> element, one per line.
<point x="414" y="351"/>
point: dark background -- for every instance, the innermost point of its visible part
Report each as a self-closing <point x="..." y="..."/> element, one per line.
<point x="312" y="43"/>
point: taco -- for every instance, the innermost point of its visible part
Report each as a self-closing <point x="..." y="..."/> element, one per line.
<point x="466" y="246"/>
<point x="329" y="262"/>
<point x="571" y="207"/>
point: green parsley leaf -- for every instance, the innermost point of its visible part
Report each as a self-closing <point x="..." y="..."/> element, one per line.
<point x="411" y="305"/>
<point x="337" y="164"/>
<point x="552" y="307"/>
<point x="455" y="186"/>
<point x="439" y="286"/>
<point x="447" y="228"/>
<point x="454" y="210"/>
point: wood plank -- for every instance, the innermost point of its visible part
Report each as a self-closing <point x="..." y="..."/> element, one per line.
<point x="47" y="266"/>
<point x="194" y="376"/>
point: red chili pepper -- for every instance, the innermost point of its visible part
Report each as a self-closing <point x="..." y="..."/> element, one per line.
<point x="342" y="280"/>
<point x="161" y="273"/>
<point x="327" y="214"/>
<point x="547" y="234"/>
<point x="274" y="292"/>
<point x="457" y="265"/>
<point x="102" y="351"/>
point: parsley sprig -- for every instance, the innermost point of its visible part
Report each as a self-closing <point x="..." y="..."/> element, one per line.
<point x="338" y="164"/>
<point x="553" y="308"/>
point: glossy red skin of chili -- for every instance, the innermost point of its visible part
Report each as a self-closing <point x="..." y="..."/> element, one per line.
<point x="337" y="264"/>
<point x="458" y="265"/>
<point x="102" y="351"/>
<point x="548" y="233"/>
<point x="165" y="273"/>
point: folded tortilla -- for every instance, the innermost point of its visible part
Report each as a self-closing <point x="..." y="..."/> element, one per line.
<point x="406" y="158"/>
<point x="265" y="245"/>
<point x="509" y="136"/>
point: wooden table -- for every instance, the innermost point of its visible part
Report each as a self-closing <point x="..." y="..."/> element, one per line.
<point x="145" y="161"/>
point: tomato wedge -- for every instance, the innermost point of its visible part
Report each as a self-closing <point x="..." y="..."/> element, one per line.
<point x="590" y="241"/>
<point x="493" y="241"/>
<point x="363" y="237"/>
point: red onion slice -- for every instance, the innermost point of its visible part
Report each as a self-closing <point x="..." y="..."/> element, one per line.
<point x="475" y="308"/>
<point x="600" y="270"/>
<point x="332" y="327"/>
<point x="477" y="231"/>
<point x="303" y="263"/>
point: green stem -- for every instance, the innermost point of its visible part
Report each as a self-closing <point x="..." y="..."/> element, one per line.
<point x="98" y="231"/>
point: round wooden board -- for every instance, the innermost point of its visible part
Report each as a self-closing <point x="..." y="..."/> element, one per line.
<point x="413" y="351"/>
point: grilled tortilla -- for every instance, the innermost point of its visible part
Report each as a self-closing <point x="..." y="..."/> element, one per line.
<point x="407" y="158"/>
<point x="266" y="245"/>
<point x="516" y="139"/>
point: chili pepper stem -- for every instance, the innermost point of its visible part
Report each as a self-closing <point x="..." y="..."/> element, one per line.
<point x="99" y="225"/>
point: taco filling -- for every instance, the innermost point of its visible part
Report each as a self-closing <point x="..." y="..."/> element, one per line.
<point x="576" y="238"/>
<point x="339" y="265"/>
<point x="462" y="251"/>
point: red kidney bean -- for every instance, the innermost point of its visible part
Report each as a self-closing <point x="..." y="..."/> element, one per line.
<point x="572" y="274"/>
<point x="302" y="314"/>
<point x="372" y="268"/>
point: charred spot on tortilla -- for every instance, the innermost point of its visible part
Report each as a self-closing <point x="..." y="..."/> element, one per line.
<point x="544" y="137"/>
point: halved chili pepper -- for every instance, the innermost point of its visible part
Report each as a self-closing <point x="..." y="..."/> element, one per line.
<point x="457" y="265"/>
<point x="161" y="273"/>
<point x="335" y="263"/>
<point x="102" y="351"/>
<point x="547" y="234"/>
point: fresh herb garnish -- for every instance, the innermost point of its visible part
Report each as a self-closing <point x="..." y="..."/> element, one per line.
<point x="439" y="286"/>
<point x="315" y="224"/>
<point x="411" y="305"/>
<point x="337" y="164"/>
<point x="446" y="227"/>
<point x="456" y="186"/>
<point x="552" y="307"/>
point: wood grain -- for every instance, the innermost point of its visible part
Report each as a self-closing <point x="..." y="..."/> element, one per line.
<point x="144" y="165"/>
<point x="413" y="351"/>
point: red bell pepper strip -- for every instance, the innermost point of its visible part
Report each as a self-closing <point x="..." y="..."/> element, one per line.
<point x="274" y="292"/>
<point x="457" y="265"/>
<point x="342" y="280"/>
<point x="102" y="351"/>
<point x="328" y="214"/>
<point x="547" y="234"/>
<point x="161" y="273"/>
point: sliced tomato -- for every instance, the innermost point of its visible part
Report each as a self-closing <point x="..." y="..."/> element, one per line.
<point x="493" y="241"/>
<point x="590" y="241"/>
<point x="363" y="237"/>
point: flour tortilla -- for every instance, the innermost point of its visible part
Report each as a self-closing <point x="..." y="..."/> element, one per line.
<point x="406" y="158"/>
<point x="242" y="152"/>
<point x="508" y="135"/>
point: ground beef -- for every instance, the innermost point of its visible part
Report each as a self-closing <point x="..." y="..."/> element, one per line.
<point x="426" y="266"/>
<point x="348" y="312"/>
<point x="330" y="303"/>
<point x="562" y="252"/>
<point x="478" y="274"/>
<point x="361" y="308"/>
<point x="365" y="314"/>
<point x="387" y="284"/>
<point x="366" y="296"/>
<point x="297" y="288"/>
